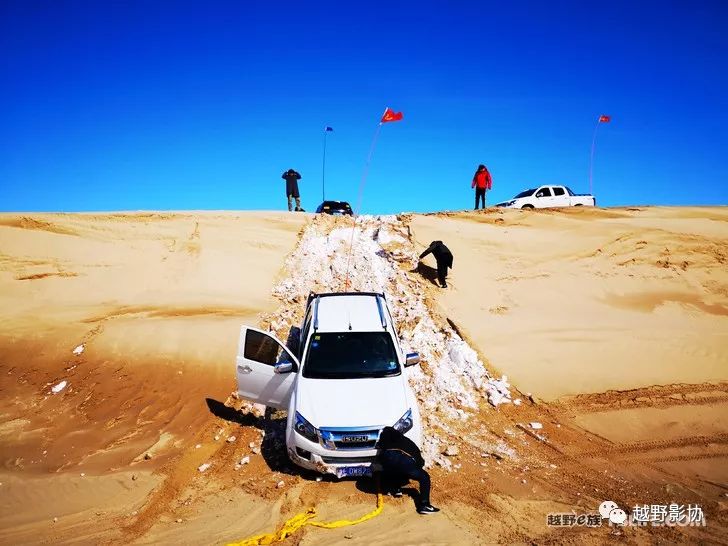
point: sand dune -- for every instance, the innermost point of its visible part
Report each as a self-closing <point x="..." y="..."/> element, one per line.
<point x="615" y="320"/>
<point x="156" y="300"/>
<point x="594" y="300"/>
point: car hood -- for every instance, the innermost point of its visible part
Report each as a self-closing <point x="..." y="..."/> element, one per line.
<point x="351" y="402"/>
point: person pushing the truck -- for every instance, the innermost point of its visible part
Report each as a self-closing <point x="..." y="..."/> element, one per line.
<point x="401" y="461"/>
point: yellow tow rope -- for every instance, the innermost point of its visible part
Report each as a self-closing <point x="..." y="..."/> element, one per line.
<point x="303" y="519"/>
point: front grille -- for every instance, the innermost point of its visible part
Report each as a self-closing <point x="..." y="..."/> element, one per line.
<point x="346" y="439"/>
<point x="345" y="460"/>
<point x="355" y="445"/>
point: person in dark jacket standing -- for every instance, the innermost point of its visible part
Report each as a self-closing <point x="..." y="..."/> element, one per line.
<point x="482" y="182"/>
<point x="292" y="177"/>
<point x="401" y="461"/>
<point x="443" y="256"/>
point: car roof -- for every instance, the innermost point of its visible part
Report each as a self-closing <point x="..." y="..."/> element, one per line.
<point x="357" y="312"/>
<point x="337" y="203"/>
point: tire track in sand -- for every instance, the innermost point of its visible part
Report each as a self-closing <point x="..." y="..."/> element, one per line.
<point x="655" y="396"/>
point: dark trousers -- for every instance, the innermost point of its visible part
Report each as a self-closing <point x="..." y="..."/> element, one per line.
<point x="479" y="194"/>
<point x="400" y="468"/>
<point x="442" y="273"/>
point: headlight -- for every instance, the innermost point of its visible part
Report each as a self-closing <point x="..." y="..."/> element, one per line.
<point x="404" y="423"/>
<point x="305" y="429"/>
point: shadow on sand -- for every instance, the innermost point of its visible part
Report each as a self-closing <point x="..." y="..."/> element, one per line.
<point x="427" y="272"/>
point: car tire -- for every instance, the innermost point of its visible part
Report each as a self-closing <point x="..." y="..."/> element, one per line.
<point x="527" y="207"/>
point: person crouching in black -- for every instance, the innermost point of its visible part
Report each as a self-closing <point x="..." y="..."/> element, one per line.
<point x="401" y="461"/>
<point x="443" y="256"/>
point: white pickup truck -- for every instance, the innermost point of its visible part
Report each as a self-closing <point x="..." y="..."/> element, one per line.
<point x="547" y="197"/>
<point x="346" y="382"/>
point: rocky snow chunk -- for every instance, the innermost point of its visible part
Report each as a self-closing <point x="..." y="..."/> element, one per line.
<point x="452" y="381"/>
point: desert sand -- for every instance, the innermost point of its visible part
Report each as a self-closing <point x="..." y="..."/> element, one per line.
<point x="610" y="324"/>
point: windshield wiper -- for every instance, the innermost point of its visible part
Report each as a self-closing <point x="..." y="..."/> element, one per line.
<point x="383" y="373"/>
<point x="352" y="375"/>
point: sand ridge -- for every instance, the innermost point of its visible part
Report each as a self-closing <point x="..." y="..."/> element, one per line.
<point x="157" y="300"/>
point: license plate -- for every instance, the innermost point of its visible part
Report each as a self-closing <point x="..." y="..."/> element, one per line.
<point x="352" y="471"/>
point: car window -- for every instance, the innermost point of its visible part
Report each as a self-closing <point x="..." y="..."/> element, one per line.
<point x="397" y="343"/>
<point x="262" y="348"/>
<point x="558" y="191"/>
<point x="526" y="193"/>
<point x="543" y="192"/>
<point x="350" y="355"/>
<point x="307" y="318"/>
<point x="304" y="331"/>
<point x="568" y="189"/>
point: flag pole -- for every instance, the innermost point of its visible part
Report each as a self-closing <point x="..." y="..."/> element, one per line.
<point x="323" y="169"/>
<point x="591" y="157"/>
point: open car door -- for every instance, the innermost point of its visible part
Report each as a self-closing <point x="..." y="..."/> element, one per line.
<point x="265" y="368"/>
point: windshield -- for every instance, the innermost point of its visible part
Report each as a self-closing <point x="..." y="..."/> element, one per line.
<point x="350" y="355"/>
<point x="525" y="193"/>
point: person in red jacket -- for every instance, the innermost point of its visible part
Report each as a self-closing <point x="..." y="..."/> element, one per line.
<point x="482" y="182"/>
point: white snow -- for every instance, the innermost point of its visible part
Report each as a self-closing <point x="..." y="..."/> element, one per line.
<point x="79" y="349"/>
<point x="384" y="237"/>
<point x="451" y="381"/>
<point x="59" y="387"/>
<point x="204" y="467"/>
<point x="498" y="391"/>
<point x="536" y="426"/>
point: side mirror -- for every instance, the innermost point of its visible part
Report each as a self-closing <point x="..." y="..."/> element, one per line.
<point x="283" y="367"/>
<point x="412" y="359"/>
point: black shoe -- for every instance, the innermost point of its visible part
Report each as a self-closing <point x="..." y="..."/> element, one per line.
<point x="427" y="509"/>
<point x="444" y="285"/>
<point x="397" y="493"/>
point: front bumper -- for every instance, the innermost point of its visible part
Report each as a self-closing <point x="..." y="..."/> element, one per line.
<point x="316" y="462"/>
<point x="314" y="456"/>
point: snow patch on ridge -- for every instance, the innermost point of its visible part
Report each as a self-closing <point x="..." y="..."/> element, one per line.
<point x="452" y="380"/>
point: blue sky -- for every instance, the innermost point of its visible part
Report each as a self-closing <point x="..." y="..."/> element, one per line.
<point x="202" y="105"/>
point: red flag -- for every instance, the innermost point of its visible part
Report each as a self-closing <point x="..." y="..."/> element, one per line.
<point x="605" y="119"/>
<point x="391" y="115"/>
